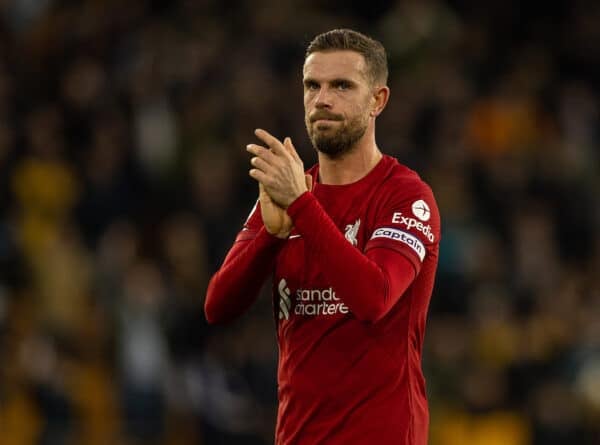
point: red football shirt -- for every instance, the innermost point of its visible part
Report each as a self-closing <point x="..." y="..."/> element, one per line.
<point x="352" y="285"/>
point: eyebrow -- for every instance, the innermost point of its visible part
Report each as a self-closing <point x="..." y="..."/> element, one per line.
<point x="342" y="80"/>
<point x="334" y="81"/>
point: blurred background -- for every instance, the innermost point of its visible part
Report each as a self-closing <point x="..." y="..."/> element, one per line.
<point x="123" y="182"/>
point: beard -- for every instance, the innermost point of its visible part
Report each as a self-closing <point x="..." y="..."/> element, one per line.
<point x="335" y="142"/>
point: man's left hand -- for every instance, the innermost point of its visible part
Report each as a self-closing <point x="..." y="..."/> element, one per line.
<point x="278" y="168"/>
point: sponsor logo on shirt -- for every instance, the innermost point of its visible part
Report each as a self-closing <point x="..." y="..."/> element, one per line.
<point x="284" y="299"/>
<point x="309" y="302"/>
<point x="421" y="210"/>
<point x="352" y="232"/>
<point x="404" y="237"/>
<point x="411" y="223"/>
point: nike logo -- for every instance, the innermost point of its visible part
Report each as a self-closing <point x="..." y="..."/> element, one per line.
<point x="294" y="236"/>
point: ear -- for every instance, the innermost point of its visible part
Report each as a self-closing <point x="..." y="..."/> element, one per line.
<point x="380" y="100"/>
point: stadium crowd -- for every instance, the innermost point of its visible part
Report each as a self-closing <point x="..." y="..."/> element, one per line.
<point x="123" y="181"/>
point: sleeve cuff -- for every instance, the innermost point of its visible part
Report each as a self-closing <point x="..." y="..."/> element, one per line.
<point x="295" y="208"/>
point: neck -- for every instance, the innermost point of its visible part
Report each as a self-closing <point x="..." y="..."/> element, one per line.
<point x="351" y="166"/>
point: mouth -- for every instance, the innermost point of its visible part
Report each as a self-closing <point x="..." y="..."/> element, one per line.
<point x="325" y="118"/>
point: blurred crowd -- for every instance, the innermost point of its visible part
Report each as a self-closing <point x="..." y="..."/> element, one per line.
<point x="123" y="181"/>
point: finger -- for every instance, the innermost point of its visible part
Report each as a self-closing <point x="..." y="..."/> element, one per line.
<point x="262" y="152"/>
<point x="273" y="143"/>
<point x="259" y="175"/>
<point x="309" y="180"/>
<point x="262" y="165"/>
<point x="287" y="143"/>
<point x="262" y="193"/>
<point x="264" y="196"/>
<point x="256" y="147"/>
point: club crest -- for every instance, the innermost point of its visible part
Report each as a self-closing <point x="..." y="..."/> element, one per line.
<point x="352" y="232"/>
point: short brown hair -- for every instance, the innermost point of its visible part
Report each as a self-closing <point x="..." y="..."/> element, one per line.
<point x="347" y="39"/>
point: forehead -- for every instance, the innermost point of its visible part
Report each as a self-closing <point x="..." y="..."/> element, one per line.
<point x="328" y="65"/>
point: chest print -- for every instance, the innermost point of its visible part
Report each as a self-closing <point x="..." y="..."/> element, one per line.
<point x="352" y="232"/>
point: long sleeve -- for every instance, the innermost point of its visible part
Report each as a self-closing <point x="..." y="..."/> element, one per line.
<point x="369" y="284"/>
<point x="235" y="286"/>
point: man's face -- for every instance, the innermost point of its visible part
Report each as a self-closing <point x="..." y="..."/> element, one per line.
<point x="337" y="99"/>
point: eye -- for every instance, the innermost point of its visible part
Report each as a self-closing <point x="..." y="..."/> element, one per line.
<point x="311" y="86"/>
<point x="342" y="85"/>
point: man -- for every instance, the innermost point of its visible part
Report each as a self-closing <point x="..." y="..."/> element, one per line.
<point x="352" y="248"/>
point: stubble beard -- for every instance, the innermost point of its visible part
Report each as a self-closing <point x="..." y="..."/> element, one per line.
<point x="337" y="142"/>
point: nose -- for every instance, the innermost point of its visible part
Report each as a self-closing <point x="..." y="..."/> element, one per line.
<point x="323" y="99"/>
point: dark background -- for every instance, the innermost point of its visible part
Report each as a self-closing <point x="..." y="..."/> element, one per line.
<point x="123" y="181"/>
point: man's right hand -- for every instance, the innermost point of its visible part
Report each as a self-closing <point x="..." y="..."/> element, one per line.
<point x="276" y="220"/>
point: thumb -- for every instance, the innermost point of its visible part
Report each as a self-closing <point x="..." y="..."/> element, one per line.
<point x="262" y="193"/>
<point x="308" y="179"/>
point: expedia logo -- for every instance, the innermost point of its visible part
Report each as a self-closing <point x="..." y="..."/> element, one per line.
<point x="412" y="223"/>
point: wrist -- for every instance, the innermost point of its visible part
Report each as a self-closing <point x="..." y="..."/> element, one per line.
<point x="299" y="203"/>
<point x="294" y="195"/>
<point x="294" y="199"/>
